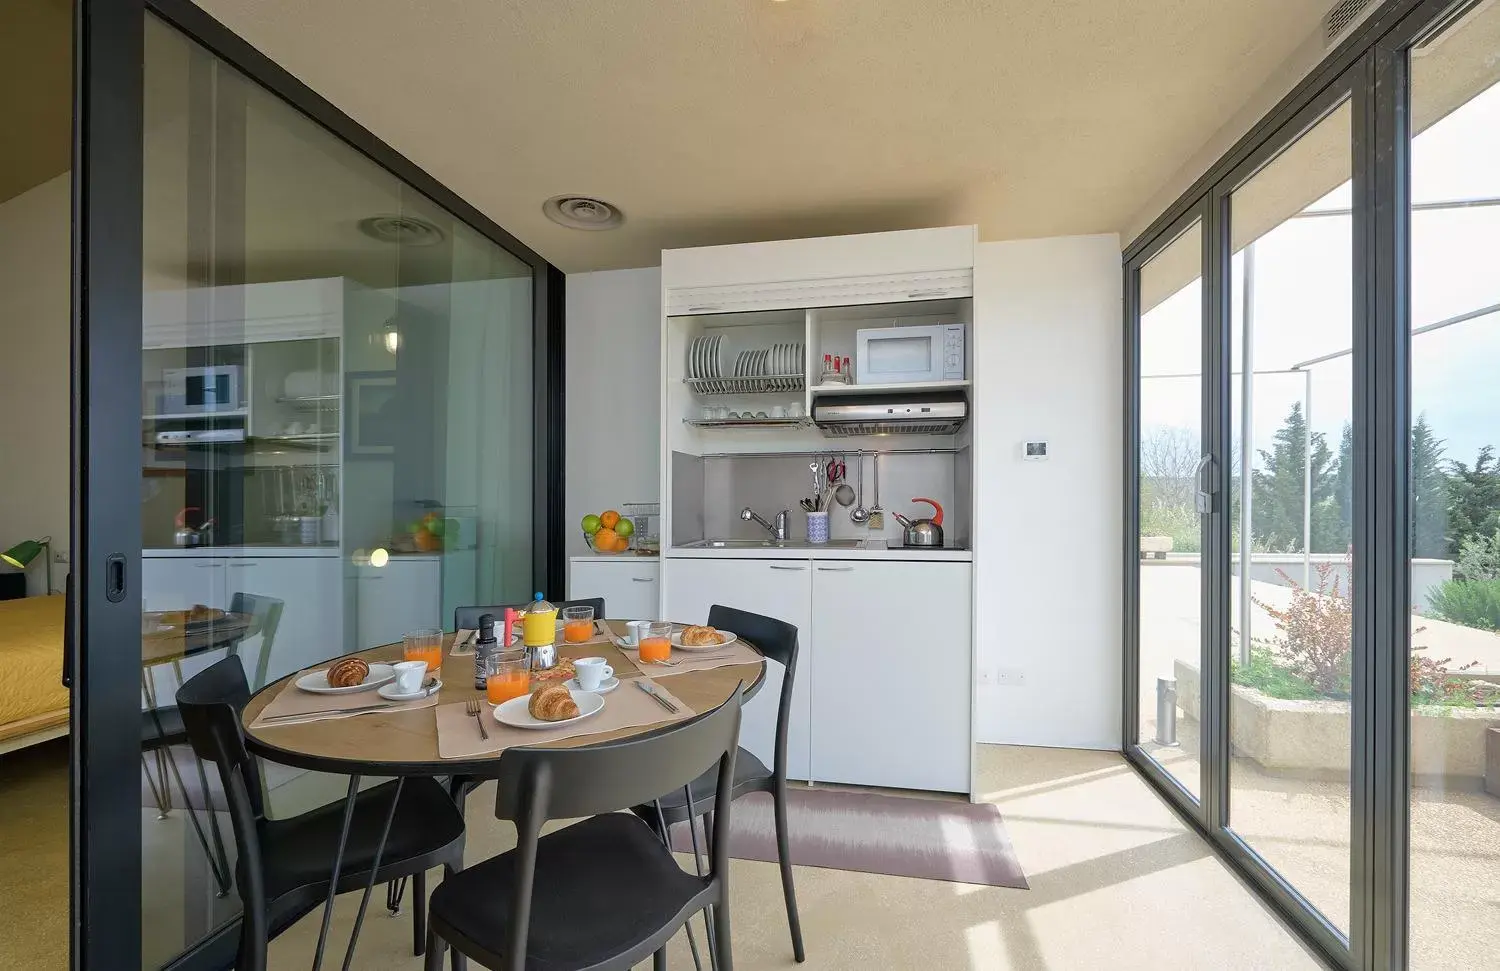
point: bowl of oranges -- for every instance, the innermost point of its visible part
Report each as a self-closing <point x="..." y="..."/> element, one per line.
<point x="608" y="533"/>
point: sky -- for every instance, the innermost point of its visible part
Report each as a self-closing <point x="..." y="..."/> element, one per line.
<point x="1302" y="304"/>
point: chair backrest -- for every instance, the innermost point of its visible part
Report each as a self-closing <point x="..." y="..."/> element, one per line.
<point x="467" y="618"/>
<point x="267" y="611"/>
<point x="534" y="785"/>
<point x="210" y="703"/>
<point x="777" y="640"/>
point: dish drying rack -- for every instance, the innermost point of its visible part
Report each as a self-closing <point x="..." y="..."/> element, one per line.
<point x="758" y="384"/>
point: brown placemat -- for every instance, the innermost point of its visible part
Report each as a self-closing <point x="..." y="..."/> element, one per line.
<point x="685" y="661"/>
<point x="292" y="700"/>
<point x="625" y="707"/>
<point x="462" y="644"/>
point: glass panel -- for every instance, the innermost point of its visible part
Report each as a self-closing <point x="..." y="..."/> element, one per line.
<point x="1171" y="552"/>
<point x="1454" y="666"/>
<point x="1291" y="289"/>
<point x="333" y="366"/>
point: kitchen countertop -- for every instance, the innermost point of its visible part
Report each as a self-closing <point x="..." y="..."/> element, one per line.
<point x="248" y="549"/>
<point x="618" y="558"/>
<point x="798" y="551"/>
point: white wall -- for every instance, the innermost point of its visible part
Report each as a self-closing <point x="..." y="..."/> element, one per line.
<point x="35" y="274"/>
<point x="613" y="380"/>
<point x="1047" y="365"/>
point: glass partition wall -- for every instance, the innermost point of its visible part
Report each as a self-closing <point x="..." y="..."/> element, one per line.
<point x="1334" y="661"/>
<point x="337" y="433"/>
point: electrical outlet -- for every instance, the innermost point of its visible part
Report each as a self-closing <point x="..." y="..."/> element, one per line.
<point x="986" y="676"/>
<point x="60" y="556"/>
<point x="1011" y="677"/>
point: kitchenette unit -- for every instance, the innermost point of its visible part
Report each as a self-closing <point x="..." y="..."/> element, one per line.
<point x="817" y="467"/>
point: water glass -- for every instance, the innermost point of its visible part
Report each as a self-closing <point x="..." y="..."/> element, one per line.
<point x="578" y="624"/>
<point x="507" y="675"/>
<point x="424" y="644"/>
<point x="656" y="645"/>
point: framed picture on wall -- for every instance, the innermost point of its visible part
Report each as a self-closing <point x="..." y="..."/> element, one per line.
<point x="371" y="398"/>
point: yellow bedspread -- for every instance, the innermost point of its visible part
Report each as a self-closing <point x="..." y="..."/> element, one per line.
<point x="31" y="643"/>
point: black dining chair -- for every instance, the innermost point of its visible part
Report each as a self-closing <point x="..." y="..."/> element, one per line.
<point x="267" y="613"/>
<point x="467" y="618"/>
<point x="602" y="893"/>
<point x="777" y="640"/>
<point x="285" y="866"/>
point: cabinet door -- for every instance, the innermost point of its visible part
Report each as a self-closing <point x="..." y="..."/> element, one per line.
<point x="629" y="588"/>
<point x="776" y="588"/>
<point x="177" y="583"/>
<point x="891" y="674"/>
<point x="311" y="616"/>
<point x="403" y="595"/>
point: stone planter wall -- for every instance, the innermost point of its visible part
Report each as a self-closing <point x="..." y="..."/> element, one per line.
<point x="1448" y="745"/>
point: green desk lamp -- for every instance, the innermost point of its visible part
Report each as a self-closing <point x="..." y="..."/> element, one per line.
<point x="21" y="555"/>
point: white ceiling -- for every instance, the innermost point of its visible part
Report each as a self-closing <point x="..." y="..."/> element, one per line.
<point x="734" y="120"/>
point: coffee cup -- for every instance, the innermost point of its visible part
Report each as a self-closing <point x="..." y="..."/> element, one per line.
<point x="634" y="631"/>
<point x="591" y="672"/>
<point x="409" y="676"/>
<point x="779" y="411"/>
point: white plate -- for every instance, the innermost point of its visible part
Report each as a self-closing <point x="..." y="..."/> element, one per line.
<point x="692" y="349"/>
<point x="514" y="712"/>
<point x="390" y="693"/>
<point x="728" y="636"/>
<point x="605" y="686"/>
<point x="317" y="681"/>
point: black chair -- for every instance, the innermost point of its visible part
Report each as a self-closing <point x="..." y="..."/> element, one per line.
<point x="467" y="618"/>
<point x="267" y="611"/>
<point x="285" y="865"/>
<point x="777" y="640"/>
<point x="603" y="893"/>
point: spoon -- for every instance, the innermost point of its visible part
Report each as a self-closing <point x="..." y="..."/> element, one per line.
<point x="859" y="515"/>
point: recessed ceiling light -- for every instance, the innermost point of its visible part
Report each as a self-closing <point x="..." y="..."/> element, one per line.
<point x="405" y="230"/>
<point x="581" y="212"/>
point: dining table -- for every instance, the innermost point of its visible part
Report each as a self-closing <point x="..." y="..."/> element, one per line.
<point x="404" y="743"/>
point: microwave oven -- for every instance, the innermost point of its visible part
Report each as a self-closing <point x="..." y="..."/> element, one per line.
<point x="898" y="355"/>
<point x="201" y="390"/>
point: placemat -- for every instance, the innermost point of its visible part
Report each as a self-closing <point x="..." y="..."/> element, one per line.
<point x="685" y="661"/>
<point x="292" y="700"/>
<point x="625" y="707"/>
<point x="463" y="644"/>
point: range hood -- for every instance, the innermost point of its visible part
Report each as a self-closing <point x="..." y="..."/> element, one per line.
<point x="891" y="413"/>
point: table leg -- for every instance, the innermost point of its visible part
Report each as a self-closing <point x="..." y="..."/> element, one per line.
<point x="364" y="901"/>
<point x="338" y="862"/>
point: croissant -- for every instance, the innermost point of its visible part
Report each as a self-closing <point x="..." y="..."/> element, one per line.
<point x="695" y="636"/>
<point x="553" y="703"/>
<point x="348" y="673"/>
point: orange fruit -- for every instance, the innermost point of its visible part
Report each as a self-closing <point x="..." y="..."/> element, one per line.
<point x="604" y="540"/>
<point x="608" y="518"/>
<point x="426" y="541"/>
<point x="621" y="543"/>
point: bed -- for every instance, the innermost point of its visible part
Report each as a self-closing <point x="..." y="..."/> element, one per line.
<point x="33" y="701"/>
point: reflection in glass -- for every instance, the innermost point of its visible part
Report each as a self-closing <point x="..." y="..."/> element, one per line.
<point x="1454" y="662"/>
<point x="1290" y="615"/>
<point x="1171" y="553"/>
<point x="333" y="365"/>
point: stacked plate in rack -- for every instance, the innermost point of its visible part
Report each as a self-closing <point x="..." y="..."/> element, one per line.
<point x="705" y="360"/>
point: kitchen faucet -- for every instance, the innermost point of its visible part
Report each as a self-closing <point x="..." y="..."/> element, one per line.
<point x="778" y="531"/>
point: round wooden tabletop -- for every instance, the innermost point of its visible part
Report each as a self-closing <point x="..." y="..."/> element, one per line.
<point x="174" y="642"/>
<point x="406" y="742"/>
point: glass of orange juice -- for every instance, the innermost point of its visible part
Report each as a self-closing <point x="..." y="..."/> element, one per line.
<point x="507" y="675"/>
<point x="578" y="624"/>
<point x="656" y="645"/>
<point x="424" y="644"/>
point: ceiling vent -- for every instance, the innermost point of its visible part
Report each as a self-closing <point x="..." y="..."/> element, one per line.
<point x="581" y="212"/>
<point x="404" y="230"/>
<point x="1341" y="19"/>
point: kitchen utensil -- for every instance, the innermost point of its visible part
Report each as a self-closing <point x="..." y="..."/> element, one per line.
<point x="877" y="515"/>
<point x="806" y="503"/>
<point x="651" y="690"/>
<point x="817" y="527"/>
<point x="188" y="535"/>
<point x="859" y="515"/>
<point x="836" y="469"/>
<point x="429" y="688"/>
<point x="924" y="532"/>
<point x="473" y="709"/>
<point x="328" y="711"/>
<point x="844" y="495"/>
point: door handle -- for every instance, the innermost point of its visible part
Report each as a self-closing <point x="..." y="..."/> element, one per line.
<point x="642" y="580"/>
<point x="935" y="292"/>
<point x="798" y="569"/>
<point x="835" y="569"/>
<point x="207" y="566"/>
<point x="702" y="309"/>
<point x="1205" y="495"/>
<point x="240" y="564"/>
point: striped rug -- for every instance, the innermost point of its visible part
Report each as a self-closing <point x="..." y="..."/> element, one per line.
<point x="931" y="839"/>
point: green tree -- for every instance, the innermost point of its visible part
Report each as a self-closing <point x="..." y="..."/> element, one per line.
<point x="1429" y="492"/>
<point x="1277" y="490"/>
<point x="1344" y="486"/>
<point x="1473" y="499"/>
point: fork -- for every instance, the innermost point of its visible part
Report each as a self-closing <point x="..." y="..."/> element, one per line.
<point x="473" y="708"/>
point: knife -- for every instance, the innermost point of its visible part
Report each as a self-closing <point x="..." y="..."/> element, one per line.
<point x="330" y="711"/>
<point x="651" y="690"/>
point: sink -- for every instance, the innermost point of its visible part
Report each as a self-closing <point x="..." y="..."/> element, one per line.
<point x="758" y="544"/>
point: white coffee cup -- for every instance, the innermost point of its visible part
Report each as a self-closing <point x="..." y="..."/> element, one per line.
<point x="796" y="410"/>
<point x="409" y="676"/>
<point x="634" y="631"/>
<point x="592" y="672"/>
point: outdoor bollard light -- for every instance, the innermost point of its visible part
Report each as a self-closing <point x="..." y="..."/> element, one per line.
<point x="1166" y="711"/>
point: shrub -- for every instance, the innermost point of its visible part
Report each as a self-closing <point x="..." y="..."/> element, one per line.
<point x="1269" y="677"/>
<point x="1314" y="633"/>
<point x="1479" y="558"/>
<point x="1472" y="603"/>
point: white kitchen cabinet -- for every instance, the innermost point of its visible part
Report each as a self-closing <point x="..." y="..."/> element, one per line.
<point x="775" y="588"/>
<point x="403" y="595"/>
<point x="892" y="643"/>
<point x="630" y="585"/>
<point x="180" y="582"/>
<point x="311" y="627"/>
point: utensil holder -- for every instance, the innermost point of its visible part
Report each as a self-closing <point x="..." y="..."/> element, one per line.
<point x="817" y="527"/>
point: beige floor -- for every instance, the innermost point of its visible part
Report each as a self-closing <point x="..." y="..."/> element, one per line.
<point x="1116" y="882"/>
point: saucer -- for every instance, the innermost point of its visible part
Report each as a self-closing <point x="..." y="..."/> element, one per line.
<point x="605" y="686"/>
<point x="390" y="693"/>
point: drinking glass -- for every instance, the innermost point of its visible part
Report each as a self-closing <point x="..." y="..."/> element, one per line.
<point x="578" y="624"/>
<point x="507" y="675"/>
<point x="424" y="644"/>
<point x="657" y="644"/>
